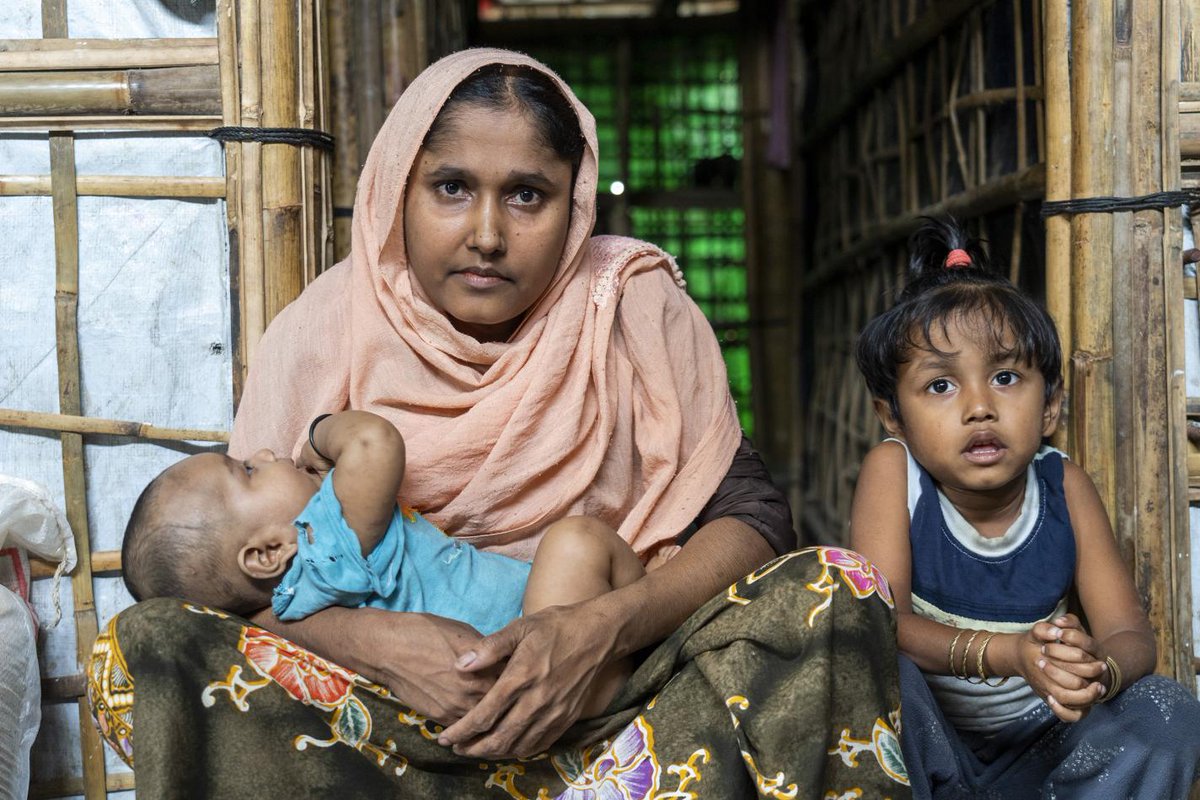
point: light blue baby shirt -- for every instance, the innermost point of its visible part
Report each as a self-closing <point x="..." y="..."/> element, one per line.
<point x="415" y="567"/>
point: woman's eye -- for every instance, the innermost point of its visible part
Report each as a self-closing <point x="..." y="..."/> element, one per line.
<point x="1006" y="378"/>
<point x="451" y="188"/>
<point x="526" y="196"/>
<point x="940" y="386"/>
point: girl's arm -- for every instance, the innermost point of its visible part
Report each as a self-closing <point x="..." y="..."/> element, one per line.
<point x="879" y="530"/>
<point x="1119" y="626"/>
<point x="369" y="454"/>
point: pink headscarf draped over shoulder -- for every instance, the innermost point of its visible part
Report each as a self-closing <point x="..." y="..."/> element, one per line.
<point x="610" y="400"/>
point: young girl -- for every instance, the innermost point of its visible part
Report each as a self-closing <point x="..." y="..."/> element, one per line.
<point x="982" y="531"/>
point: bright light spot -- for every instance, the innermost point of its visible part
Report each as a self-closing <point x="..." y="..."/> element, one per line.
<point x="617" y="187"/>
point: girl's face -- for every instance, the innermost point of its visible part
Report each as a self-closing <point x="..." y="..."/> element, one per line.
<point x="486" y="214"/>
<point x="973" y="418"/>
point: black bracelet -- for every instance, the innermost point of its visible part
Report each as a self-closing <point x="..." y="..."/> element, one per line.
<point x="312" y="429"/>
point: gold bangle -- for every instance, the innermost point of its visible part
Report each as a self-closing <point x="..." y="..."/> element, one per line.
<point x="954" y="644"/>
<point x="966" y="676"/>
<point x="983" y="676"/>
<point x="1114" y="672"/>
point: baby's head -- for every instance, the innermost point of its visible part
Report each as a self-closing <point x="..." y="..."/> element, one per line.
<point x="954" y="307"/>
<point x="216" y="530"/>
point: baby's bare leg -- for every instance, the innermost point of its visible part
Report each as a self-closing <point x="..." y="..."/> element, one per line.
<point x="580" y="558"/>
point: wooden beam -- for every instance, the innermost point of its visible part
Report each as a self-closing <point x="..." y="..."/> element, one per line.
<point x="75" y="423"/>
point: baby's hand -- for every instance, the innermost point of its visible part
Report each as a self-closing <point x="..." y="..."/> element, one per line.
<point x="310" y="460"/>
<point x="1069" y="665"/>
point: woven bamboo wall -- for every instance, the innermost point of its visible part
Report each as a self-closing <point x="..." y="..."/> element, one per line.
<point x="921" y="108"/>
<point x="982" y="109"/>
<point x="278" y="213"/>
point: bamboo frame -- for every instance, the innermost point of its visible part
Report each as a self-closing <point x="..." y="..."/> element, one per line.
<point x="275" y="191"/>
<point x="162" y="91"/>
<point x="21" y="55"/>
<point x="117" y="186"/>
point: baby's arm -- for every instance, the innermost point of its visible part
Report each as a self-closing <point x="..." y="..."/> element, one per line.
<point x="879" y="529"/>
<point x="369" y="454"/>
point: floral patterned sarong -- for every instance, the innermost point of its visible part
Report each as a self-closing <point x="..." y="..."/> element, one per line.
<point x="784" y="686"/>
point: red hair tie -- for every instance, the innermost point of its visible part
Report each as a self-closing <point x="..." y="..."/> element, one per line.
<point x="957" y="258"/>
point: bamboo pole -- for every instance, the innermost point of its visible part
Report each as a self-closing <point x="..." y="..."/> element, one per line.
<point x="1057" y="157"/>
<point x="165" y="91"/>
<point x="283" y="255"/>
<point x="75" y="423"/>
<point x="117" y="186"/>
<point x="181" y="123"/>
<point x="106" y="562"/>
<point x="252" y="272"/>
<point x="1092" y="426"/>
<point x="1177" y="547"/>
<point x="23" y="55"/>
<point x="231" y="110"/>
<point x="347" y="157"/>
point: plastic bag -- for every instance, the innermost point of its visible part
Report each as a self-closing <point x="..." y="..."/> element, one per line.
<point x="29" y="521"/>
<point x="20" y="695"/>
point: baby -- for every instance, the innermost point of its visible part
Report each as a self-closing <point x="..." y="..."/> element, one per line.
<point x="300" y="537"/>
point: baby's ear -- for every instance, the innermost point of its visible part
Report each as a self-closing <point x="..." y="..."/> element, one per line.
<point x="268" y="551"/>
<point x="891" y="424"/>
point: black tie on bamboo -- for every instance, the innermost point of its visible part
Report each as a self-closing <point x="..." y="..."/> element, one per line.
<point x="300" y="137"/>
<point x="1100" y="205"/>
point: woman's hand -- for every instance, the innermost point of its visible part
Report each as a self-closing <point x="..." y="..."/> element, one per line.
<point x="553" y="658"/>
<point x="413" y="655"/>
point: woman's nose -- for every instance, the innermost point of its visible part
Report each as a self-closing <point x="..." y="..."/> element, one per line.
<point x="487" y="234"/>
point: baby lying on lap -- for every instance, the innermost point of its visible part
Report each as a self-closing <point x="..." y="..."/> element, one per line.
<point x="242" y="535"/>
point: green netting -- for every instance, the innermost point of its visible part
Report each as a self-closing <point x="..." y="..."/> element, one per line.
<point x="685" y="142"/>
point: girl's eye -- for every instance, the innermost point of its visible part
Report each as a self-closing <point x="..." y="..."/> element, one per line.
<point x="940" y="386"/>
<point x="1006" y="378"/>
<point x="246" y="466"/>
<point x="451" y="188"/>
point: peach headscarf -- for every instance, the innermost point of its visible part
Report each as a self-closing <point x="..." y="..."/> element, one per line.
<point x="610" y="400"/>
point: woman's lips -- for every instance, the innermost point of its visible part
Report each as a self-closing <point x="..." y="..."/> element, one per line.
<point x="481" y="278"/>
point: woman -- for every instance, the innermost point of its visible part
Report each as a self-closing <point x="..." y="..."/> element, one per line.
<point x="535" y="373"/>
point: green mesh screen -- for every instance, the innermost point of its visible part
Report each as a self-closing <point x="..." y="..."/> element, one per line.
<point x="685" y="144"/>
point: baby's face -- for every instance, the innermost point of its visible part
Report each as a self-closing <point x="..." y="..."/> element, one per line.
<point x="262" y="490"/>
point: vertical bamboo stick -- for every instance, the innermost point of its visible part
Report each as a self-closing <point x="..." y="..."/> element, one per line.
<point x="281" y="197"/>
<point x="1057" y="110"/>
<point x="345" y="122"/>
<point x="231" y="114"/>
<point x="1092" y="432"/>
<point x="252" y="274"/>
<point x="308" y="80"/>
<point x="66" y="302"/>
<point x="1124" y="511"/>
<point x="1177" y="548"/>
<point x="369" y="71"/>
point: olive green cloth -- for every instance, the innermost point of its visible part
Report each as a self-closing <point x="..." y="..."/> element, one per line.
<point x="784" y="686"/>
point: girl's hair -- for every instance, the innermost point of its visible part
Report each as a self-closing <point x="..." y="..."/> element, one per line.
<point x="937" y="294"/>
<point x="503" y="87"/>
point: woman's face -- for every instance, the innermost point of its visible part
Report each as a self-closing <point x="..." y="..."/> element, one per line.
<point x="486" y="214"/>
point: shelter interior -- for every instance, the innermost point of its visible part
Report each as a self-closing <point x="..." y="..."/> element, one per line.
<point x="781" y="150"/>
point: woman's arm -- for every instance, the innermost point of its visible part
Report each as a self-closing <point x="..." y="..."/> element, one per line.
<point x="413" y="655"/>
<point x="554" y="655"/>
